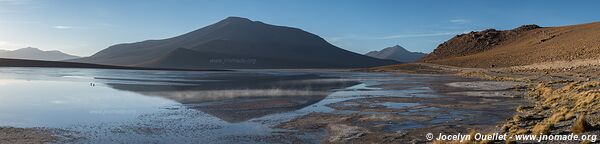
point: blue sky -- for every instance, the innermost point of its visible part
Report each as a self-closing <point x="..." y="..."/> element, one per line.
<point x="83" y="27"/>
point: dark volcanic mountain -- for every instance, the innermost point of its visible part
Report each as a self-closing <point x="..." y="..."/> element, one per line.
<point x="35" y="54"/>
<point x="397" y="53"/>
<point x="235" y="43"/>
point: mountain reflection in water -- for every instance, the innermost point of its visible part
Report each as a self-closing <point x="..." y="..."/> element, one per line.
<point x="239" y="98"/>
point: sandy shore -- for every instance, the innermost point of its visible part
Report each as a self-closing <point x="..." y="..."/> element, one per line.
<point x="11" y="135"/>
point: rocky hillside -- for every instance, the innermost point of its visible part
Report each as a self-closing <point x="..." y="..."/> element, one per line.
<point x="524" y="45"/>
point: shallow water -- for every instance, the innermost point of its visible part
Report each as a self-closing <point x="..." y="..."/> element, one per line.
<point x="127" y="106"/>
<point x="399" y="105"/>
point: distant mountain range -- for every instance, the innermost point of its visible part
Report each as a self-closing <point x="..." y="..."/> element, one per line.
<point x="397" y="53"/>
<point x="528" y="44"/>
<point x="235" y="43"/>
<point x="36" y="54"/>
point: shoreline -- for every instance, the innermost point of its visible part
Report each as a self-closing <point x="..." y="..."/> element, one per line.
<point x="452" y="111"/>
<point x="16" y="63"/>
<point x="565" y="97"/>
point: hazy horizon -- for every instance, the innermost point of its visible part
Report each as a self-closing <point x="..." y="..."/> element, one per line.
<point x="85" y="27"/>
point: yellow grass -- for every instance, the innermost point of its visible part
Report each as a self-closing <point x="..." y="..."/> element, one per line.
<point x="566" y="102"/>
<point x="542" y="128"/>
<point x="581" y="125"/>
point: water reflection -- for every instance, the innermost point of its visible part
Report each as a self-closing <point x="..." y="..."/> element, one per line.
<point x="47" y="103"/>
<point x="241" y="97"/>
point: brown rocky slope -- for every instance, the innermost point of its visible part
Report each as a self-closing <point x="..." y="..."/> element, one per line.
<point x="525" y="45"/>
<point x="560" y="67"/>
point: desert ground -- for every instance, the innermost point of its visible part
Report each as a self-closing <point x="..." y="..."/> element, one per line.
<point x="564" y="93"/>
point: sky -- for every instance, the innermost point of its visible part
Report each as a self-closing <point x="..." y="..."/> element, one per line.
<point x="84" y="27"/>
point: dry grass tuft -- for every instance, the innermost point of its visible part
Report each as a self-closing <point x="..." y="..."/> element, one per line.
<point x="558" y="116"/>
<point x="541" y="89"/>
<point x="472" y="134"/>
<point x="542" y="128"/>
<point x="581" y="125"/>
<point x="588" y="85"/>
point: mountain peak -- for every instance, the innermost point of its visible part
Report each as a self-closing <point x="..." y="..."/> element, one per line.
<point x="28" y="49"/>
<point x="526" y="27"/>
<point x="234" y="19"/>
<point x="397" y="53"/>
<point x="232" y="43"/>
<point x="395" y="48"/>
<point x="36" y="54"/>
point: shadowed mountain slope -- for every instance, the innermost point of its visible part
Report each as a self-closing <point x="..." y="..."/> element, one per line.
<point x="235" y="43"/>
